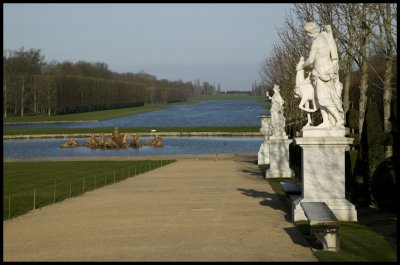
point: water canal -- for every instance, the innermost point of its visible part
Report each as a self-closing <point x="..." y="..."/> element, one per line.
<point x="205" y="113"/>
<point x="49" y="148"/>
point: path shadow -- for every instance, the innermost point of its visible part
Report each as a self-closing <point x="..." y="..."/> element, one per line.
<point x="299" y="239"/>
<point x="248" y="158"/>
<point x="253" y="172"/>
<point x="273" y="201"/>
<point x="267" y="199"/>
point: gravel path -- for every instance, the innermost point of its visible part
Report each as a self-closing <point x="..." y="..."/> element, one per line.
<point x="190" y="210"/>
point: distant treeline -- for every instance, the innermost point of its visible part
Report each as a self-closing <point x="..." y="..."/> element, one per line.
<point x="33" y="86"/>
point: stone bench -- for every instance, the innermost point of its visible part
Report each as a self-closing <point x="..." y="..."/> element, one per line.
<point x="324" y="224"/>
<point x="291" y="187"/>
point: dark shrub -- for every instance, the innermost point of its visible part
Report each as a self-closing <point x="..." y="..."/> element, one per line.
<point x="383" y="184"/>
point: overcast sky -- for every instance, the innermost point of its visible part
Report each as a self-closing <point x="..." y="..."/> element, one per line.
<point x="218" y="43"/>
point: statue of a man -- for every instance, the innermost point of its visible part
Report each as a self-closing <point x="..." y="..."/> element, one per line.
<point x="277" y="118"/>
<point x="324" y="63"/>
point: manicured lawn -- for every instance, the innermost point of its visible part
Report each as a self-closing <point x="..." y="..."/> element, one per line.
<point x="359" y="243"/>
<point x="87" y="116"/>
<point x="29" y="185"/>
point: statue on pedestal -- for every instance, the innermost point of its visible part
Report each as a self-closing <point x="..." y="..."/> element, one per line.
<point x="266" y="129"/>
<point x="324" y="65"/>
<point x="278" y="122"/>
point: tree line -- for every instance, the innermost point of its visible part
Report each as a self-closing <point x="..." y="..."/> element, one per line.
<point x="365" y="34"/>
<point x="35" y="87"/>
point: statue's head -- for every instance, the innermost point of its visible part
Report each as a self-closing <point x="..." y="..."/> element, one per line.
<point x="276" y="88"/>
<point x="311" y="28"/>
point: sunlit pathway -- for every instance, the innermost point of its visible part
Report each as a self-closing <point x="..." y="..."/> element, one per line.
<point x="191" y="210"/>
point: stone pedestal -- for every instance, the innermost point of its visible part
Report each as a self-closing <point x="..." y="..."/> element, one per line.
<point x="323" y="172"/>
<point x="263" y="154"/>
<point x="265" y="130"/>
<point x="279" y="158"/>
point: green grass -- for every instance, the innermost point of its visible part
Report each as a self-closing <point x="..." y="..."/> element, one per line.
<point x="55" y="181"/>
<point x="87" y="116"/>
<point x="357" y="242"/>
<point x="32" y="131"/>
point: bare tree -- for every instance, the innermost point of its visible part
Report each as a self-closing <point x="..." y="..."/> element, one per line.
<point x="387" y="13"/>
<point x="365" y="20"/>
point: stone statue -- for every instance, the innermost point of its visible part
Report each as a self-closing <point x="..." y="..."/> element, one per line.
<point x="266" y="129"/>
<point x="277" y="119"/>
<point x="304" y="90"/>
<point x="324" y="65"/>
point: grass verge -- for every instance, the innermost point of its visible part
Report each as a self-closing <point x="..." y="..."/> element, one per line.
<point x="87" y="116"/>
<point x="357" y="242"/>
<point x="31" y="185"/>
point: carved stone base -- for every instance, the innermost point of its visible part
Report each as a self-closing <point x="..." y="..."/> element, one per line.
<point x="279" y="159"/>
<point x="263" y="154"/>
<point x="323" y="171"/>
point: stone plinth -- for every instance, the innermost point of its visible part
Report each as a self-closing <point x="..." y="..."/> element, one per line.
<point x="265" y="130"/>
<point x="263" y="154"/>
<point x="323" y="172"/>
<point x="279" y="158"/>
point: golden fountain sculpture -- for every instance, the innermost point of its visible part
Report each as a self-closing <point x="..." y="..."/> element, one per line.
<point x="117" y="141"/>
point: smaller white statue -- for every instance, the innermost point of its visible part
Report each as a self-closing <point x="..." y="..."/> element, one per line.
<point x="278" y="122"/>
<point x="305" y="91"/>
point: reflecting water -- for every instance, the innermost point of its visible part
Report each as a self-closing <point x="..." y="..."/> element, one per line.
<point x="48" y="148"/>
<point x="205" y="113"/>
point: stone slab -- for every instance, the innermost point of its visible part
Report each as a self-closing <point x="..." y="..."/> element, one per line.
<point x="312" y="131"/>
<point x="318" y="213"/>
<point x="291" y="187"/>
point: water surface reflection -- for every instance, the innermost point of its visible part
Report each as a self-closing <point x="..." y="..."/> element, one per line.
<point x="49" y="148"/>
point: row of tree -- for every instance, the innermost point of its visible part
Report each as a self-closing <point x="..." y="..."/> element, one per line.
<point x="33" y="86"/>
<point x="365" y="34"/>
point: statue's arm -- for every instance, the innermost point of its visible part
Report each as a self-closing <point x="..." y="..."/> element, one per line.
<point x="309" y="63"/>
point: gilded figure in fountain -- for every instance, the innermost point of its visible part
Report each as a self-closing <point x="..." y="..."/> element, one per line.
<point x="70" y="143"/>
<point x="92" y="142"/>
<point x="135" y="143"/>
<point x="156" y="142"/>
<point x="117" y="141"/>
